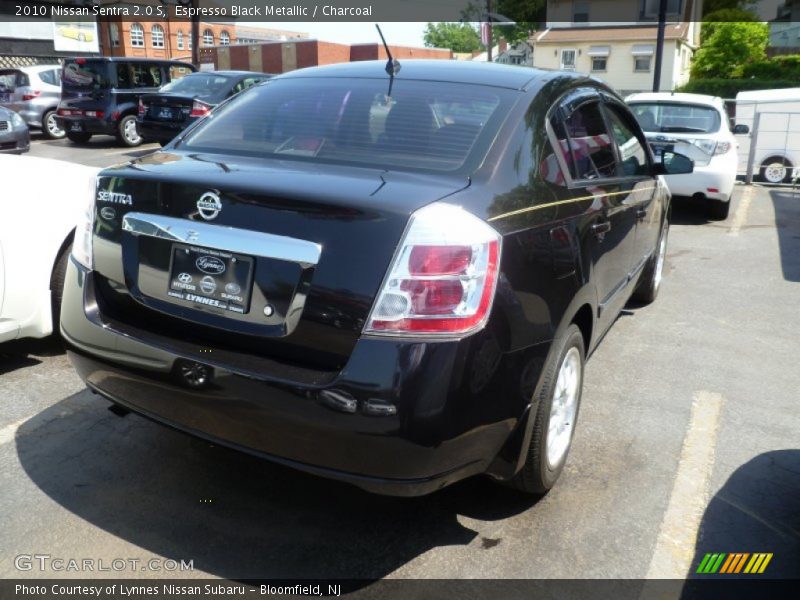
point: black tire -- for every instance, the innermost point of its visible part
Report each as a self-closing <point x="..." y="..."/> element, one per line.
<point x="763" y="173"/>
<point x="57" y="285"/>
<point x="537" y="475"/>
<point x="718" y="210"/>
<point x="125" y="138"/>
<point x="77" y="137"/>
<point x="50" y="133"/>
<point x="650" y="280"/>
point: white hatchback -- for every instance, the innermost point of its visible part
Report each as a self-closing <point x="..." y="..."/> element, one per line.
<point x="697" y="126"/>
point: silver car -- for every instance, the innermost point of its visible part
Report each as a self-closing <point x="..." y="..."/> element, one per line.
<point x="33" y="93"/>
<point x="15" y="137"/>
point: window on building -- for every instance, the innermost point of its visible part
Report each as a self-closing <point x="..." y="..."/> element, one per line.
<point x="224" y="38"/>
<point x="180" y="40"/>
<point x="157" y="36"/>
<point x="113" y="33"/>
<point x="599" y="57"/>
<point x="642" y="63"/>
<point x="568" y="60"/>
<point x="650" y="8"/>
<point x="580" y="11"/>
<point x="137" y="35"/>
<point x="189" y="41"/>
<point x="208" y="37"/>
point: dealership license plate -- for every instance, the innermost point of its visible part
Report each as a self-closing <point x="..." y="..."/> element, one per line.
<point x="213" y="278"/>
<point x="75" y="127"/>
<point x="5" y="97"/>
<point x="165" y="113"/>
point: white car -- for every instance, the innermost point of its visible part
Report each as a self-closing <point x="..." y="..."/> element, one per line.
<point x="697" y="126"/>
<point x="42" y="201"/>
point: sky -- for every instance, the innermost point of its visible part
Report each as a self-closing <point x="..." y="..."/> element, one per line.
<point x="398" y="34"/>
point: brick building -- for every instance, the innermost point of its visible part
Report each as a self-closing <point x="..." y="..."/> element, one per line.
<point x="160" y="39"/>
<point x="280" y="57"/>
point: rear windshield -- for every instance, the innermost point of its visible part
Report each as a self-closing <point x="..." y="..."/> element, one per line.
<point x="202" y="84"/>
<point x="85" y="74"/>
<point x="423" y="125"/>
<point x="676" y="117"/>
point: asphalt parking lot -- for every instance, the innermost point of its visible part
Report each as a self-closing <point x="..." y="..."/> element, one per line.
<point x="687" y="443"/>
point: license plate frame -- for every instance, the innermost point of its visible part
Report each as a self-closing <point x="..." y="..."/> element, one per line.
<point x="211" y="278"/>
<point x="76" y="126"/>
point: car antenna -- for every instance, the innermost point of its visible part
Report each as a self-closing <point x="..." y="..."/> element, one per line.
<point x="392" y="65"/>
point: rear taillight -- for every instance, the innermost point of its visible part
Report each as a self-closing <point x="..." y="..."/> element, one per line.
<point x="722" y="147"/>
<point x="82" y="242"/>
<point x="31" y="95"/>
<point x="94" y="113"/>
<point x="200" y="109"/>
<point x="68" y="112"/>
<point x="142" y="109"/>
<point x="443" y="277"/>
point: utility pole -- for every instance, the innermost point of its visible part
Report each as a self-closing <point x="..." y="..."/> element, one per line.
<point x="489" y="29"/>
<point x="662" y="23"/>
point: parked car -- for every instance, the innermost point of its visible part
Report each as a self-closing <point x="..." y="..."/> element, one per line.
<point x="101" y="95"/>
<point x="33" y="92"/>
<point x="43" y="200"/>
<point x="776" y="158"/>
<point x="15" y="137"/>
<point x="697" y="125"/>
<point x="180" y="103"/>
<point x="379" y="296"/>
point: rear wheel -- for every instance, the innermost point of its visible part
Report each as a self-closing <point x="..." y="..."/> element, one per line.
<point x="128" y="132"/>
<point x="718" y="210"/>
<point x="650" y="282"/>
<point x="77" y="137"/>
<point x="50" y="126"/>
<point x="57" y="285"/>
<point x="776" y="169"/>
<point x="556" y="415"/>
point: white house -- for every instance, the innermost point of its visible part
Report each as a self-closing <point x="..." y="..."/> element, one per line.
<point x="622" y="53"/>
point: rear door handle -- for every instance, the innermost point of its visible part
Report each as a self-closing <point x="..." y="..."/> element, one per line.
<point x="601" y="228"/>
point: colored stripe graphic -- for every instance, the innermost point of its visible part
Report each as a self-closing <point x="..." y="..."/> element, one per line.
<point x="734" y="562"/>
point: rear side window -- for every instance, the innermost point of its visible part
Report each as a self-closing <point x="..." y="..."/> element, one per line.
<point x="145" y="75"/>
<point x="586" y="144"/>
<point x="52" y="77"/>
<point x="85" y="74"/>
<point x="423" y="125"/>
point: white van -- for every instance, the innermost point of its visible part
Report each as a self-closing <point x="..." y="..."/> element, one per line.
<point x="777" y="155"/>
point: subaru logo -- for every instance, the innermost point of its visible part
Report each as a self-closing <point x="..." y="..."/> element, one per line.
<point x="208" y="285"/>
<point x="210" y="265"/>
<point x="209" y="205"/>
<point x="232" y="288"/>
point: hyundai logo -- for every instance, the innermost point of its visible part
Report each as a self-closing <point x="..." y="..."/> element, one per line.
<point x="210" y="265"/>
<point x="185" y="278"/>
<point x="209" y="205"/>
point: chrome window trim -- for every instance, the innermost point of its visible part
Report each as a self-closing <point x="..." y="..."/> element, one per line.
<point x="241" y="241"/>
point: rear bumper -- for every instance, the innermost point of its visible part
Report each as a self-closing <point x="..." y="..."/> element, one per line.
<point x="401" y="418"/>
<point x="87" y="125"/>
<point x="160" y="132"/>
<point x="714" y="181"/>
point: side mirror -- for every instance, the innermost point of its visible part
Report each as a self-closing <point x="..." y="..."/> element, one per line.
<point x="673" y="163"/>
<point x="741" y="129"/>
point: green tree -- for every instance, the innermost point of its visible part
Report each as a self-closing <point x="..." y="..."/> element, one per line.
<point x="724" y="15"/>
<point x="729" y="47"/>
<point x="528" y="16"/>
<point x="459" y="37"/>
<point x="712" y="6"/>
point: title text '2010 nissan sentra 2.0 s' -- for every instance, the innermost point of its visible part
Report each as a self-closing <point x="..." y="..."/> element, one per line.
<point x="393" y="286"/>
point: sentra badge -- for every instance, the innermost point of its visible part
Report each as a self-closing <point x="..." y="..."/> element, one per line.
<point x="209" y="205"/>
<point x="114" y="197"/>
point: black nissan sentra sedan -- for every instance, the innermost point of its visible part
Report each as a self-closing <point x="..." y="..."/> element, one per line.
<point x="388" y="280"/>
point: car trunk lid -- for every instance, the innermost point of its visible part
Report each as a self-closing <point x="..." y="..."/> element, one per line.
<point x="276" y="258"/>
